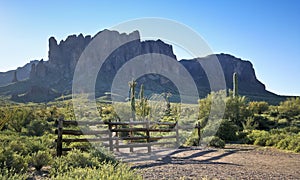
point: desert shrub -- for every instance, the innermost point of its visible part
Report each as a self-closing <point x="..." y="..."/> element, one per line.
<point x="294" y="143"/>
<point x="26" y="145"/>
<point x="217" y="142"/>
<point x="80" y="145"/>
<point x="40" y="159"/>
<point x="38" y="127"/>
<point x="274" y="139"/>
<point x="291" y="129"/>
<point x="20" y="145"/>
<point x="250" y="124"/>
<point x="109" y="113"/>
<point x="290" y="107"/>
<point x="14" y="162"/>
<point x="214" y="141"/>
<point x="227" y="131"/>
<point x="102" y="155"/>
<point x="237" y="110"/>
<point x="258" y="107"/>
<point x="11" y="174"/>
<point x="192" y="140"/>
<point x="283" y="122"/>
<point x="261" y="141"/>
<point x="76" y="159"/>
<point x="19" y="117"/>
<point x="106" y="171"/>
<point x="242" y="137"/>
<point x="279" y="138"/>
<point x="255" y="134"/>
<point x="263" y="122"/>
<point x="283" y="144"/>
<point x="297" y="150"/>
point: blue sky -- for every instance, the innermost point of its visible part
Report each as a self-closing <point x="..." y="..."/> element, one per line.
<point x="265" y="32"/>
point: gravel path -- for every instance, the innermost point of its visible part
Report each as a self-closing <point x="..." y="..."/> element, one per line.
<point x="233" y="162"/>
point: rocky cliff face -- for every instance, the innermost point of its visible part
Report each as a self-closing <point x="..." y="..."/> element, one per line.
<point x="248" y="83"/>
<point x="22" y="73"/>
<point x="56" y="74"/>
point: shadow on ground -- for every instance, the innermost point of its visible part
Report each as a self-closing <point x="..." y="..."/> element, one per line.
<point x="170" y="159"/>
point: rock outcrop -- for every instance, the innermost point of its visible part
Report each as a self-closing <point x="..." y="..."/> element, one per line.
<point x="22" y="73"/>
<point x="15" y="79"/>
<point x="54" y="76"/>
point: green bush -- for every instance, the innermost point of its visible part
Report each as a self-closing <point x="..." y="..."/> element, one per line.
<point x="11" y="174"/>
<point x="283" y="144"/>
<point x="38" y="127"/>
<point x="193" y="140"/>
<point x="102" y="155"/>
<point x="283" y="122"/>
<point x="14" y="162"/>
<point x="214" y="141"/>
<point x="256" y="134"/>
<point x="217" y="142"/>
<point x="19" y="117"/>
<point x="106" y="171"/>
<point x="227" y="131"/>
<point x="279" y="138"/>
<point x="274" y="139"/>
<point x="79" y="159"/>
<point x="40" y="159"/>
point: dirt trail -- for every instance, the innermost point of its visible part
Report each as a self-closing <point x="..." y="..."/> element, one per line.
<point x="233" y="162"/>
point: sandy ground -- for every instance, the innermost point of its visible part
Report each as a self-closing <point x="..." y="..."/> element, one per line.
<point x="233" y="162"/>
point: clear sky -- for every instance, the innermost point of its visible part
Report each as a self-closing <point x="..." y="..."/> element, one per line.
<point x="263" y="31"/>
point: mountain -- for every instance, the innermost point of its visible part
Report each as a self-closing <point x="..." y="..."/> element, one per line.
<point x="21" y="72"/>
<point x="49" y="79"/>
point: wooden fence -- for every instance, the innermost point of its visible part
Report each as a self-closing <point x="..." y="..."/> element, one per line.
<point x="112" y="134"/>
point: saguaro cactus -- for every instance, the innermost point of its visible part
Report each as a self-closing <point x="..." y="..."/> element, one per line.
<point x="132" y="85"/>
<point x="143" y="102"/>
<point x="235" y="85"/>
<point x="168" y="108"/>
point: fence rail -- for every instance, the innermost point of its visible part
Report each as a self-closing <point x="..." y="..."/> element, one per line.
<point x="131" y="127"/>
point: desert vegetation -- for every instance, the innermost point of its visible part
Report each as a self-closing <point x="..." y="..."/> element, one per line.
<point x="27" y="142"/>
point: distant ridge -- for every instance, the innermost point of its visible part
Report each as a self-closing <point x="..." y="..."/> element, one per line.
<point x="41" y="81"/>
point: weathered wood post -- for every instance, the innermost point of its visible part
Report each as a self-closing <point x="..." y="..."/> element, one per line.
<point x="130" y="135"/>
<point x="117" y="138"/>
<point x="59" y="137"/>
<point x="199" y="133"/>
<point x="111" y="148"/>
<point x="177" y="134"/>
<point x="148" y="136"/>
<point x="132" y="85"/>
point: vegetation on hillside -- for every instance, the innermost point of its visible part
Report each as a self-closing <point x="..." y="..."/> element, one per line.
<point x="27" y="142"/>
<point x="255" y="123"/>
<point x="27" y="147"/>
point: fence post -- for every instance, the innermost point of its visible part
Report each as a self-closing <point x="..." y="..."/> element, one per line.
<point x="130" y="135"/>
<point x="199" y="133"/>
<point x="59" y="137"/>
<point x="177" y="134"/>
<point x="117" y="138"/>
<point x="111" y="148"/>
<point x="148" y="137"/>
